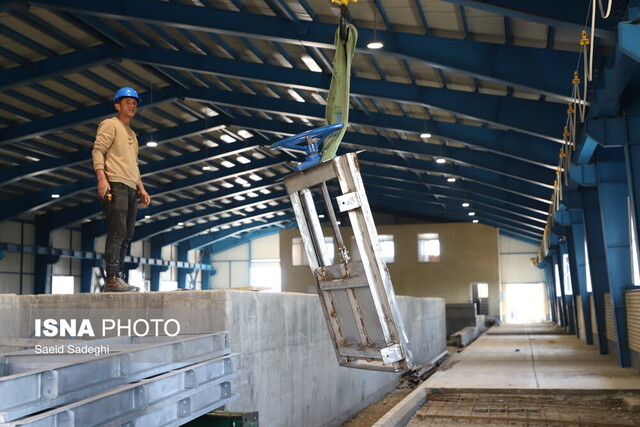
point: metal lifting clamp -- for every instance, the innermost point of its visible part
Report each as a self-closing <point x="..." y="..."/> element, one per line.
<point x="344" y="17"/>
<point x="309" y="143"/>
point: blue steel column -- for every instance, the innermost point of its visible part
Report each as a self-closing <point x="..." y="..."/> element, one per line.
<point x="156" y="253"/>
<point x="183" y="255"/>
<point x="562" y="307"/>
<point x="597" y="261"/>
<point x="88" y="244"/>
<point x="43" y="263"/>
<point x="632" y="163"/>
<point x="568" y="299"/>
<point x="576" y="246"/>
<point x="547" y="266"/>
<point x="613" y="190"/>
<point x="206" y="274"/>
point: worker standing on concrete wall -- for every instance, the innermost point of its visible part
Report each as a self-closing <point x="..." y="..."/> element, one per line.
<point x="115" y="160"/>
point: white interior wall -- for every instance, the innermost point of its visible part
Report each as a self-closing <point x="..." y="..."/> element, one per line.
<point x="515" y="261"/>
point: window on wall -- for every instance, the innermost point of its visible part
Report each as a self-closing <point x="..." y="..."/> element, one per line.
<point x="299" y="256"/>
<point x="62" y="285"/>
<point x="265" y="273"/>
<point x="587" y="266"/>
<point x="428" y="247"/>
<point x="635" y="263"/>
<point x="388" y="247"/>
<point x="566" y="271"/>
<point x="556" y="272"/>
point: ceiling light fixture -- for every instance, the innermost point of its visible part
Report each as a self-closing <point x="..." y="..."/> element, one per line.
<point x="451" y="179"/>
<point x="425" y="135"/>
<point x="465" y="205"/>
<point x="475" y="221"/>
<point x="471" y="213"/>
<point x="375" y="44"/>
<point x="441" y="160"/>
<point x="311" y="64"/>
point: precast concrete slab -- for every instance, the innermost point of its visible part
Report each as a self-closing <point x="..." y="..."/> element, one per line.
<point x="32" y="382"/>
<point x="170" y="399"/>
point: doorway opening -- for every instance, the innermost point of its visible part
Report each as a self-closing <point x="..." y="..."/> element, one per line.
<point x="525" y="303"/>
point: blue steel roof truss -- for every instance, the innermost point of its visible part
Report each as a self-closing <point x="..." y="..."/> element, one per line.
<point x="502" y="148"/>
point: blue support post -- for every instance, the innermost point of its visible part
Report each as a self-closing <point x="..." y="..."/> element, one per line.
<point x="575" y="244"/>
<point x="88" y="244"/>
<point x="577" y="248"/>
<point x="156" y="253"/>
<point x="570" y="314"/>
<point x="205" y="283"/>
<point x="551" y="290"/>
<point x="183" y="255"/>
<point x="613" y="190"/>
<point x="632" y="163"/>
<point x="556" y="262"/>
<point x="43" y="263"/>
<point x="597" y="262"/>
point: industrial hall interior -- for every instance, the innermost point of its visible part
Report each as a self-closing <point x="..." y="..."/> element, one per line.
<point x="319" y="213"/>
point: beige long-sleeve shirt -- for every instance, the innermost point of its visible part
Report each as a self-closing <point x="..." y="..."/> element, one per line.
<point x="115" y="150"/>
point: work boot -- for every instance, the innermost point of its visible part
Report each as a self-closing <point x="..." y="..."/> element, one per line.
<point x="117" y="284"/>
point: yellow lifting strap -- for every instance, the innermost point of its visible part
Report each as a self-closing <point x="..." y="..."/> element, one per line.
<point x="337" y="110"/>
<point x="344" y="2"/>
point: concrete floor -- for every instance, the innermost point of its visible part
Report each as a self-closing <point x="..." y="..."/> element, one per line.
<point x="532" y="357"/>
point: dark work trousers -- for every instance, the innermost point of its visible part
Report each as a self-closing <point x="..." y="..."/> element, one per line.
<point x="121" y="213"/>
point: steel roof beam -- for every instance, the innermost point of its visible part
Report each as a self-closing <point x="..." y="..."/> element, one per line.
<point x="32" y="169"/>
<point x="145" y="231"/>
<point x="499" y="110"/>
<point x="74" y="118"/>
<point x="391" y="202"/>
<point x="184" y="234"/>
<point x="461" y="172"/>
<point x="489" y="61"/>
<point x="417" y="198"/>
<point x="484" y="160"/>
<point x="449" y="192"/>
<point x="569" y="14"/>
<point x="202" y="240"/>
<point x="522" y="147"/>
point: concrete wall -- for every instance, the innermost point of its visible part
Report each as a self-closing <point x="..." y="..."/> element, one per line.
<point x="469" y="253"/>
<point x="289" y="369"/>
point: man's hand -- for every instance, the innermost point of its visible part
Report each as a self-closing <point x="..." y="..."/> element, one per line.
<point x="145" y="199"/>
<point x="103" y="184"/>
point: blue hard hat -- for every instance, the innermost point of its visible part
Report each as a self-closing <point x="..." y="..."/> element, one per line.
<point x="125" y="92"/>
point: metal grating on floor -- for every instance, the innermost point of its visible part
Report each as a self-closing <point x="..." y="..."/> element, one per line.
<point x="448" y="409"/>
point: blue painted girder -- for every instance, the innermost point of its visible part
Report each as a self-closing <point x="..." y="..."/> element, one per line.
<point x="490" y="61"/>
<point x="569" y="14"/>
<point x="76" y="158"/>
<point x="65" y="217"/>
<point x="487" y="162"/>
<point x="77" y="117"/>
<point x="519" y="170"/>
<point x="223" y="236"/>
<point x="471" y="190"/>
<point x="396" y="206"/>
<point x="145" y="231"/>
<point x="452" y="207"/>
<point x="505" y="111"/>
<point x="514" y="145"/>
<point x="508" y="184"/>
<point x="58" y="66"/>
<point x="185" y="233"/>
